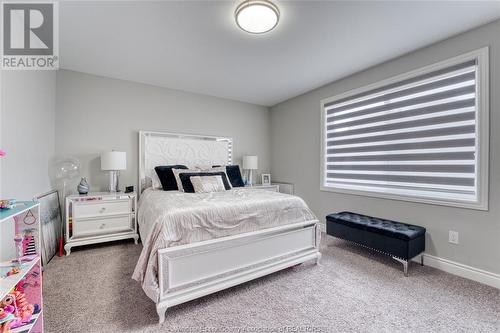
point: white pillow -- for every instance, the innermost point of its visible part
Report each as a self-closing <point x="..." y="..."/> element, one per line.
<point x="207" y="184"/>
<point x="155" y="181"/>
<point x="177" y="172"/>
<point x="178" y="179"/>
<point x="220" y="169"/>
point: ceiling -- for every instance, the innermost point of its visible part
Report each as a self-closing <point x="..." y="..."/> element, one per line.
<point x="196" y="46"/>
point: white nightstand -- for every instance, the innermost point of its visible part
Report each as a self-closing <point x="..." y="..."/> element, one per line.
<point x="100" y="217"/>
<point x="286" y="188"/>
<point x="272" y="187"/>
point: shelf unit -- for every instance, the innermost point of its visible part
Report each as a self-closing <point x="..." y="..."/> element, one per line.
<point x="8" y="283"/>
<point x="25" y="217"/>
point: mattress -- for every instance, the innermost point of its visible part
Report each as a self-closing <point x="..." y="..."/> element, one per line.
<point x="172" y="218"/>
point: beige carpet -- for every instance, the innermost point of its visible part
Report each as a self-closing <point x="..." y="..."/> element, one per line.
<point x="353" y="290"/>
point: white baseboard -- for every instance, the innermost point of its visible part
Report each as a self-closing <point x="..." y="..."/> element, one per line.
<point x="455" y="268"/>
<point x="468" y="272"/>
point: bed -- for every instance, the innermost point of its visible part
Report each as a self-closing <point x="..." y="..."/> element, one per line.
<point x="199" y="243"/>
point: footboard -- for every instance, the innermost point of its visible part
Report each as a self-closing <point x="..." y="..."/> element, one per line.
<point x="190" y="271"/>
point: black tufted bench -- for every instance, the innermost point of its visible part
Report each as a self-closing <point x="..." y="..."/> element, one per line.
<point x="399" y="240"/>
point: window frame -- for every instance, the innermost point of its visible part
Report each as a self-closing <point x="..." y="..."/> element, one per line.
<point x="482" y="135"/>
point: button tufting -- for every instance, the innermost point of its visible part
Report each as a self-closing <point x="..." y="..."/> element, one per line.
<point x="378" y="225"/>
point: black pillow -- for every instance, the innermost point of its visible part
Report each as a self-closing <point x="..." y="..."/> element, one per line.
<point x="234" y="175"/>
<point x="188" y="186"/>
<point x="167" y="177"/>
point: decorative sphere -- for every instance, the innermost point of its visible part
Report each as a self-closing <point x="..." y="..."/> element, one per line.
<point x="65" y="168"/>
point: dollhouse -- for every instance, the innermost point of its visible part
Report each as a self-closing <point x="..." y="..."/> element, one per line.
<point x="20" y="271"/>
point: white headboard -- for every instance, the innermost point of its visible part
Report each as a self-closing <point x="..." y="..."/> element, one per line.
<point x="161" y="148"/>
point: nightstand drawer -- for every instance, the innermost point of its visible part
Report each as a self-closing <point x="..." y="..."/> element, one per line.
<point x="272" y="188"/>
<point x="101" y="208"/>
<point x="94" y="227"/>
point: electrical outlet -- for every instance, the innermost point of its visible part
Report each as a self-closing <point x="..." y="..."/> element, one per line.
<point x="453" y="237"/>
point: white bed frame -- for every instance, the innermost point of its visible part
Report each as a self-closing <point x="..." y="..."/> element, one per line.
<point x="194" y="270"/>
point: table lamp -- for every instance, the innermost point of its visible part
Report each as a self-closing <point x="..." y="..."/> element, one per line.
<point x="114" y="161"/>
<point x="250" y="163"/>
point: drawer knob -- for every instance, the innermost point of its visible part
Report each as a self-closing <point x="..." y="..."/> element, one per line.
<point x="103" y="209"/>
<point x="103" y="225"/>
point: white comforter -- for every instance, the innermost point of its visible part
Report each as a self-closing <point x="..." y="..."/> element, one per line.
<point x="173" y="218"/>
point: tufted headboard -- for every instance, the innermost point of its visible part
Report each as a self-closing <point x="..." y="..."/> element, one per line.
<point x="161" y="148"/>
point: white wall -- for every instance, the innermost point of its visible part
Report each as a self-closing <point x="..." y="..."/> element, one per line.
<point x="295" y="147"/>
<point x="27" y="132"/>
<point x="97" y="114"/>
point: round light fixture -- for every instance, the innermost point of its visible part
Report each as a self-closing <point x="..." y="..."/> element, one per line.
<point x="257" y="16"/>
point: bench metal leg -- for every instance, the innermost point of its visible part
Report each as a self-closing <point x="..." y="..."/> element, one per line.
<point x="318" y="258"/>
<point x="405" y="264"/>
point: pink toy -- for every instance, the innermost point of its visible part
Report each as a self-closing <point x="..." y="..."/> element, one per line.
<point x="2" y="153"/>
<point x="13" y="271"/>
<point x="18" y="239"/>
<point x="24" y="309"/>
<point x="28" y="242"/>
<point x="26" y="258"/>
<point x="16" y="308"/>
<point x="6" y="311"/>
<point x="10" y="301"/>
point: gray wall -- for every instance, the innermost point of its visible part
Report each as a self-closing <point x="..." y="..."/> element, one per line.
<point x="27" y="132"/>
<point x="295" y="147"/>
<point x="97" y="114"/>
<point x="27" y="120"/>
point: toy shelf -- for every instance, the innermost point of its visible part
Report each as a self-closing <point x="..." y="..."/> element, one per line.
<point x="33" y="326"/>
<point x="20" y="207"/>
<point x="8" y="283"/>
<point x="25" y="286"/>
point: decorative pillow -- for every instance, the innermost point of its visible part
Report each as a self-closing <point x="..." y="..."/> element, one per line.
<point x="166" y="176"/>
<point x="234" y="175"/>
<point x="207" y="184"/>
<point x="180" y="184"/>
<point x="155" y="180"/>
<point x="178" y="179"/>
<point x="187" y="185"/>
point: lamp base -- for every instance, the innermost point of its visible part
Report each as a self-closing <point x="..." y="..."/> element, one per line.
<point x="250" y="177"/>
<point x="113" y="181"/>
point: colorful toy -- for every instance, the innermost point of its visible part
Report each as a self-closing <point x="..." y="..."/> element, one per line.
<point x="10" y="301"/>
<point x="29" y="245"/>
<point x="27" y="258"/>
<point x="16" y="309"/>
<point x="18" y="239"/>
<point x="6" y="314"/>
<point x="7" y="203"/>
<point x="14" y="270"/>
<point x="25" y="309"/>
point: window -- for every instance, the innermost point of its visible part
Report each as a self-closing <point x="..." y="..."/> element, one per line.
<point x="421" y="136"/>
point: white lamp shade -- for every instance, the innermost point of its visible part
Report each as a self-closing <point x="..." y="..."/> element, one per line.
<point x="250" y="162"/>
<point x="114" y="160"/>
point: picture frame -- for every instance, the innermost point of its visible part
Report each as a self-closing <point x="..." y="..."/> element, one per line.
<point x="266" y="179"/>
<point x="50" y="224"/>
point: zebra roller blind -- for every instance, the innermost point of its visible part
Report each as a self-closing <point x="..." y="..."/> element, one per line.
<point x="415" y="137"/>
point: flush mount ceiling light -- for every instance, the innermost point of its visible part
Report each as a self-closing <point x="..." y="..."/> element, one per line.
<point x="257" y="16"/>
